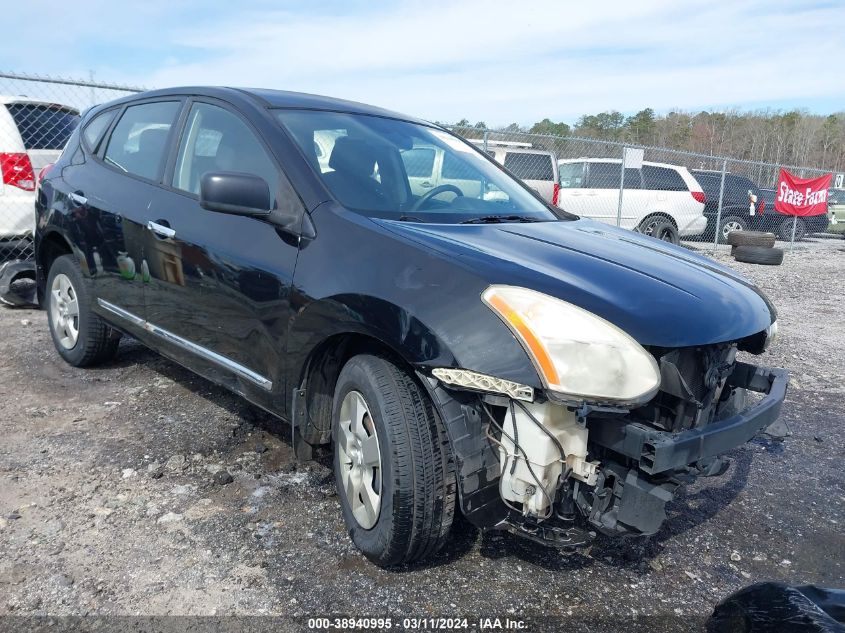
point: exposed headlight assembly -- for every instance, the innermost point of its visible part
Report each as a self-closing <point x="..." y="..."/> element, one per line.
<point x="579" y="355"/>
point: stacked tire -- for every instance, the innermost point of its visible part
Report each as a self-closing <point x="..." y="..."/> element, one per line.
<point x="755" y="247"/>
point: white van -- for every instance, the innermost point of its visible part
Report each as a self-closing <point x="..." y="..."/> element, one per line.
<point x="428" y="167"/>
<point x="589" y="187"/>
<point x="32" y="135"/>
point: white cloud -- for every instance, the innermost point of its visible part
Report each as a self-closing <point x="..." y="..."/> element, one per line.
<point x="494" y="60"/>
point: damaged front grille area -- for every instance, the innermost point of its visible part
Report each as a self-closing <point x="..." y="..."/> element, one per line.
<point x="692" y="383"/>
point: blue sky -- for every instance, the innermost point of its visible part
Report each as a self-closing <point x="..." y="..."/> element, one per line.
<point x="493" y="60"/>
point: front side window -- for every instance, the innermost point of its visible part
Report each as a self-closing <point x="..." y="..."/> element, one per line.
<point x="139" y="140"/>
<point x="571" y="175"/>
<point x="366" y="166"/>
<point x="218" y="140"/>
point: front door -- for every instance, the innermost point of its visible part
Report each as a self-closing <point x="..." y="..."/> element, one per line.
<point x="219" y="285"/>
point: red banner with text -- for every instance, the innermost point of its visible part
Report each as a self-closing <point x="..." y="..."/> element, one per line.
<point x="801" y="196"/>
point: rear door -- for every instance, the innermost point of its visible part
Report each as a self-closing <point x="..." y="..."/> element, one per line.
<point x="219" y="285"/>
<point x="670" y="194"/>
<point x="536" y="169"/>
<point x="109" y="197"/>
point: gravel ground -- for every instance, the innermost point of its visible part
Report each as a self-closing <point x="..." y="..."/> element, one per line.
<point x="138" y="488"/>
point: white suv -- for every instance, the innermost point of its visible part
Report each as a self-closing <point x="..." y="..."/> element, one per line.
<point x="32" y="135"/>
<point x="658" y="192"/>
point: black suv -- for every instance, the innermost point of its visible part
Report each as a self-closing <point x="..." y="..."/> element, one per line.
<point x="741" y="203"/>
<point x="471" y="347"/>
<point x="782" y="225"/>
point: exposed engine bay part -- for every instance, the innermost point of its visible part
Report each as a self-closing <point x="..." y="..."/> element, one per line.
<point x="540" y="445"/>
<point x="17" y="283"/>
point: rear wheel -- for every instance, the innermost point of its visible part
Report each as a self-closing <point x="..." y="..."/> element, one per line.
<point x="730" y="224"/>
<point x="81" y="337"/>
<point x="785" y="229"/>
<point x="393" y="464"/>
<point x="660" y="228"/>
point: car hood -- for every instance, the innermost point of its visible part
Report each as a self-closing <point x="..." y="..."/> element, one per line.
<point x="662" y="295"/>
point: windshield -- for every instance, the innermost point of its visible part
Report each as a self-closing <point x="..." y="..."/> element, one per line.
<point x="394" y="169"/>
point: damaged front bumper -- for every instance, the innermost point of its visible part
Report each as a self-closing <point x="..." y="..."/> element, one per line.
<point x="639" y="466"/>
<point x="658" y="451"/>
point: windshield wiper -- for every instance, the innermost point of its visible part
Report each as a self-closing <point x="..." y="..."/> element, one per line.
<point x="498" y="219"/>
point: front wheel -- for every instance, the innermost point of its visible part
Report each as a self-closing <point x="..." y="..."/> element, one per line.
<point x="80" y="336"/>
<point x="393" y="464"/>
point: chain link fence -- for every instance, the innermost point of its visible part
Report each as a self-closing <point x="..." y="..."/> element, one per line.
<point x="37" y="116"/>
<point x="671" y="186"/>
<point x="666" y="196"/>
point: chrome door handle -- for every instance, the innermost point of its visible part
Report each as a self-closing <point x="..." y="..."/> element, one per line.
<point x="160" y="230"/>
<point x="427" y="185"/>
<point x="77" y="198"/>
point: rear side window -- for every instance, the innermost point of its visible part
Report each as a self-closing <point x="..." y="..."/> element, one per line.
<point x="530" y="166"/>
<point x="663" y="179"/>
<point x="43" y="126"/>
<point x="139" y="140"/>
<point x="455" y="169"/>
<point x="419" y="162"/>
<point x="604" y="175"/>
<point x="95" y="128"/>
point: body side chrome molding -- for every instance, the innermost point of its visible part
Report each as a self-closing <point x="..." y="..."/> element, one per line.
<point x="199" y="350"/>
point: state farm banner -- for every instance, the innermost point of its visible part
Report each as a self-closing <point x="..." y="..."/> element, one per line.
<point x="802" y="196"/>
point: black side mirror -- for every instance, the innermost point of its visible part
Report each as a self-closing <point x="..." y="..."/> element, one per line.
<point x="235" y="193"/>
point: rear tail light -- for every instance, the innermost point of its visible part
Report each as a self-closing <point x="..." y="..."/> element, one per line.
<point x="555" y="193"/>
<point x="699" y="196"/>
<point x="17" y="171"/>
<point x="44" y="171"/>
<point x="761" y="206"/>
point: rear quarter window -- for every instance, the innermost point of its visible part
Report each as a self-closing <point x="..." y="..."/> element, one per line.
<point x="663" y="179"/>
<point x="93" y="131"/>
<point x="530" y="166"/>
<point x="43" y="126"/>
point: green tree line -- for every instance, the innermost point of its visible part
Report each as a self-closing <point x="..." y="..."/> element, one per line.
<point x="796" y="137"/>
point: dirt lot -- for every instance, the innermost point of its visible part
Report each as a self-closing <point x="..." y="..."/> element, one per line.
<point x="111" y="501"/>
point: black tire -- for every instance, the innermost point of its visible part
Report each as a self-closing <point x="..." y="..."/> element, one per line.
<point x="759" y="255"/>
<point x="660" y="228"/>
<point x="785" y="230"/>
<point x="751" y="238"/>
<point x="417" y="483"/>
<point x="732" y="224"/>
<point x="96" y="342"/>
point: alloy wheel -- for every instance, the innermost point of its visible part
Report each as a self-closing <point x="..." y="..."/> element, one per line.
<point x="360" y="459"/>
<point x="64" y="311"/>
<point x="729" y="227"/>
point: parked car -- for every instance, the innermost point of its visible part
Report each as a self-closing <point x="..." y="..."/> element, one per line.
<point x="537" y="168"/>
<point x="32" y="135"/>
<point x="741" y="202"/>
<point x="653" y="195"/>
<point x="542" y="373"/>
<point x="781" y="224"/>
